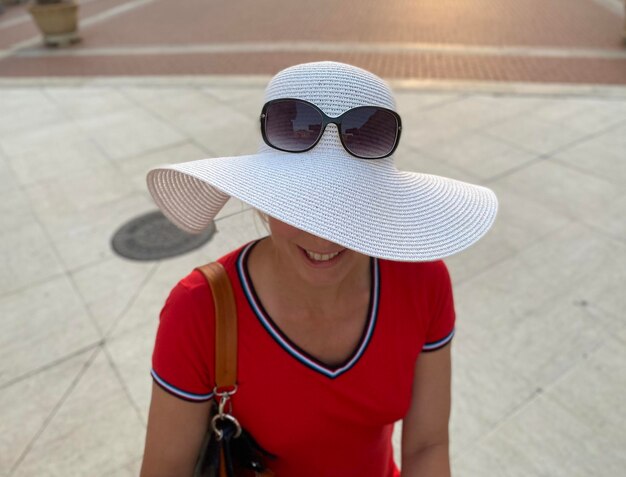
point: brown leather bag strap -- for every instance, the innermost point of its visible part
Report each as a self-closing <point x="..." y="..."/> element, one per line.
<point x="225" y="324"/>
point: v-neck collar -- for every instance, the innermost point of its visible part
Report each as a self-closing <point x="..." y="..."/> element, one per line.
<point x="289" y="346"/>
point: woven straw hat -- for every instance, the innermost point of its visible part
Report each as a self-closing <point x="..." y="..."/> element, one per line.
<point x="365" y="205"/>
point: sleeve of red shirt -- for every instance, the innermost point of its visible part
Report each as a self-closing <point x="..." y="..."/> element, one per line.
<point x="181" y="361"/>
<point x="441" y="326"/>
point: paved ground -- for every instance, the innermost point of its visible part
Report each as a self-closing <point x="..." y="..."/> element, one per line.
<point x="561" y="41"/>
<point x="540" y="351"/>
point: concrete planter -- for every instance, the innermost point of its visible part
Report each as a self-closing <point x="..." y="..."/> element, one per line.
<point x="58" y="22"/>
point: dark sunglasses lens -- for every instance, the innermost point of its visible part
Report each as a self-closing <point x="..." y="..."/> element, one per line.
<point x="292" y="125"/>
<point x="369" y="132"/>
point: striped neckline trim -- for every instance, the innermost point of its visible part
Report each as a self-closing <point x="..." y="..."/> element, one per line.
<point x="294" y="350"/>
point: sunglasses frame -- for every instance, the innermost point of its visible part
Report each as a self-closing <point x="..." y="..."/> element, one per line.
<point x="326" y="120"/>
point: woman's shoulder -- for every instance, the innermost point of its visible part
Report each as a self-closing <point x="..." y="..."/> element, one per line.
<point x="195" y="284"/>
<point x="192" y="294"/>
<point x="188" y="304"/>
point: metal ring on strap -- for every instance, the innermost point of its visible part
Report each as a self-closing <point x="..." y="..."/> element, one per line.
<point x="218" y="432"/>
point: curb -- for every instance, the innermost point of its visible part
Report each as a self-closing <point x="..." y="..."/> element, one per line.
<point x="260" y="81"/>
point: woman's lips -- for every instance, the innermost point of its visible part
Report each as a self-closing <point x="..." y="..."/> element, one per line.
<point x="322" y="259"/>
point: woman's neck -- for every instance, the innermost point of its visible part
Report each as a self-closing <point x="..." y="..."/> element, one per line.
<point x="276" y="279"/>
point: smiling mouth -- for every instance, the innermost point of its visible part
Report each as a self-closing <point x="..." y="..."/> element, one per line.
<point x="320" y="257"/>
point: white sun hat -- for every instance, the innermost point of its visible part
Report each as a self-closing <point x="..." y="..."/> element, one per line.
<point x="366" y="205"/>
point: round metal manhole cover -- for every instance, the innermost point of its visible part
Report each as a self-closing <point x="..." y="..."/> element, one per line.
<point x="153" y="237"/>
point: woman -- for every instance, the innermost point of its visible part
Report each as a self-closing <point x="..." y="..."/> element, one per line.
<point x="336" y="305"/>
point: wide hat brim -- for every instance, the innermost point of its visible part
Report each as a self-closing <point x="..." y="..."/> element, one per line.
<point x="364" y="205"/>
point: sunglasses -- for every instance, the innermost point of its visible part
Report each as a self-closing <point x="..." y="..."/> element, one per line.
<point x="294" y="125"/>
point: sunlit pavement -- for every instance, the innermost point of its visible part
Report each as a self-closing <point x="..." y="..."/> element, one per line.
<point x="540" y="349"/>
<point x="560" y="41"/>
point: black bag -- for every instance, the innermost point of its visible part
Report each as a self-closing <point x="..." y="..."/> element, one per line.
<point x="236" y="451"/>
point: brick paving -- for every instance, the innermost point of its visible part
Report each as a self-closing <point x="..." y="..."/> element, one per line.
<point x="564" y="25"/>
<point x="588" y="71"/>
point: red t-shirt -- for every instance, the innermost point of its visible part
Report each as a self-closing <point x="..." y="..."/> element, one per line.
<point x="318" y="420"/>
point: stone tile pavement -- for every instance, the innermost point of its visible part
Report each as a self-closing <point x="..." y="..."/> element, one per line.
<point x="540" y="352"/>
